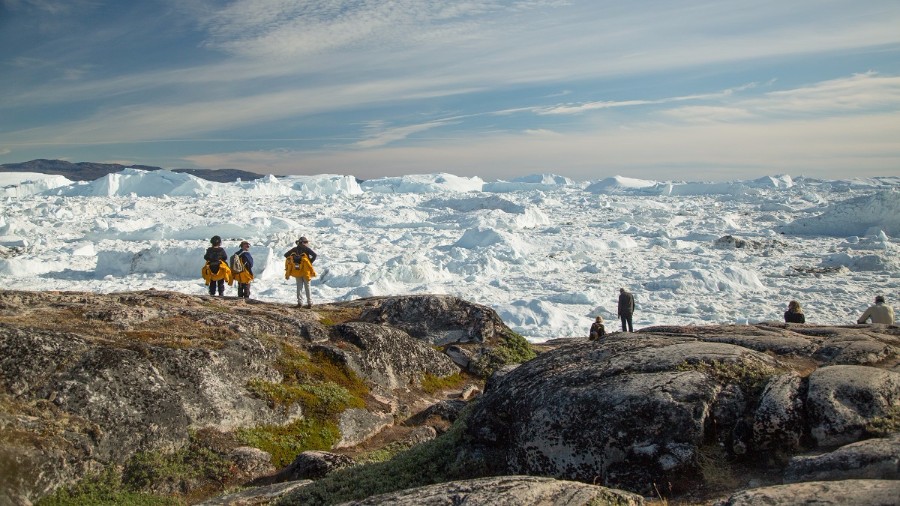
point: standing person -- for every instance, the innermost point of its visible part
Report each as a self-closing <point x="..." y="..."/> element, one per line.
<point x="597" y="329"/>
<point x="794" y="313"/>
<point x="298" y="263"/>
<point x="879" y="313"/>
<point x="216" y="271"/>
<point x="242" y="267"/>
<point x="626" y="309"/>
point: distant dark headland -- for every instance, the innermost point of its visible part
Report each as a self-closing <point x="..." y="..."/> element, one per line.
<point x="89" y="171"/>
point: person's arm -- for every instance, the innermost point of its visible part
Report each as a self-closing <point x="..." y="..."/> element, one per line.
<point x="289" y="253"/>
<point x="311" y="254"/>
<point x="865" y="316"/>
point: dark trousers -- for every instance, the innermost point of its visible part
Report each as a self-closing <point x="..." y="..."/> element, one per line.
<point x="626" y="319"/>
<point x="244" y="290"/>
<point x="214" y="285"/>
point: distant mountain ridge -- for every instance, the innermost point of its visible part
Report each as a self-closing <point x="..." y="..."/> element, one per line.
<point x="89" y="171"/>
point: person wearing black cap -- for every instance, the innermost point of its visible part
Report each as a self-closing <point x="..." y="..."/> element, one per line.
<point x="299" y="265"/>
<point x="215" y="262"/>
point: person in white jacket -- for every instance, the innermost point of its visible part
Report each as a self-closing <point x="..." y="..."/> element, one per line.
<point x="879" y="313"/>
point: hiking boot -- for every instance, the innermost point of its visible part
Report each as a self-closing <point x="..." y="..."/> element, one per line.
<point x="309" y="306"/>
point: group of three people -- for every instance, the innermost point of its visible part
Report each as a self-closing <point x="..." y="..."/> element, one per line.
<point x="217" y="271"/>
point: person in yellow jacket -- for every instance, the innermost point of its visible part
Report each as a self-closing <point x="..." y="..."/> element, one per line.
<point x="243" y="272"/>
<point x="298" y="264"/>
<point x="216" y="272"/>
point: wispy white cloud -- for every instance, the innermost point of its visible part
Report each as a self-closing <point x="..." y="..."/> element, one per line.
<point x="861" y="93"/>
<point x="811" y="147"/>
<point x="378" y="134"/>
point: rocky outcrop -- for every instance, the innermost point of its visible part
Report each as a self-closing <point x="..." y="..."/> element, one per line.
<point x="257" y="496"/>
<point x="843" y="399"/>
<point x="437" y="319"/>
<point x="88" y="381"/>
<point x="389" y="357"/>
<point x="91" y="382"/>
<point x="665" y="405"/>
<point x="309" y="465"/>
<point x="506" y="491"/>
<point x="876" y="459"/>
<point x="825" y="493"/>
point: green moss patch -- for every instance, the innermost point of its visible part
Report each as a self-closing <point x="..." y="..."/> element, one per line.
<point x="432" y="384"/>
<point x="511" y="348"/>
<point x="105" y="489"/>
<point x="752" y="377"/>
<point x="435" y="461"/>
<point x="885" y="425"/>
<point x="321" y="387"/>
<point x="285" y="442"/>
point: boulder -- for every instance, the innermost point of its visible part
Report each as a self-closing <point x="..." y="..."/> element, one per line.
<point x="843" y="399"/>
<point x="629" y="411"/>
<point x="505" y="491"/>
<point x="251" y="462"/>
<point x="256" y="496"/>
<point x="389" y="357"/>
<point x="780" y="419"/>
<point x="310" y="465"/>
<point x="824" y="493"/>
<point x="437" y="319"/>
<point x="358" y="425"/>
<point x="877" y="459"/>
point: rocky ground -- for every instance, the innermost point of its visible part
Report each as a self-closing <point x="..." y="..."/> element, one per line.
<point x="172" y="397"/>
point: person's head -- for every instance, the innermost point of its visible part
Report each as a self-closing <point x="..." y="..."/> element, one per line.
<point x="599" y="319"/>
<point x="794" y="306"/>
<point x="216" y="240"/>
<point x="302" y="240"/>
<point x="245" y="245"/>
<point x="622" y="290"/>
<point x="879" y="299"/>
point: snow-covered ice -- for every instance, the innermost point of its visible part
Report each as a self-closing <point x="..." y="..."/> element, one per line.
<point x="546" y="252"/>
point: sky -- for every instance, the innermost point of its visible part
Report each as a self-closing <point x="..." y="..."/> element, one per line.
<point x="655" y="89"/>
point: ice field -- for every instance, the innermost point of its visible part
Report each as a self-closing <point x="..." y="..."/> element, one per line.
<point x="547" y="253"/>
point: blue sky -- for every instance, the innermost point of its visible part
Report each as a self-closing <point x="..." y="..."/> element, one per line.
<point x="665" y="90"/>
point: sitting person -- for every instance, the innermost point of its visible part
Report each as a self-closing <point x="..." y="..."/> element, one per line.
<point x="794" y="313"/>
<point x="597" y="329"/>
<point x="879" y="313"/>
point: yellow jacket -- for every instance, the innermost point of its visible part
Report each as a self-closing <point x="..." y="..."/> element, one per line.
<point x="223" y="273"/>
<point x="242" y="277"/>
<point x="302" y="270"/>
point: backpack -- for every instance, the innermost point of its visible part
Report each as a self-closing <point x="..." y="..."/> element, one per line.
<point x="237" y="263"/>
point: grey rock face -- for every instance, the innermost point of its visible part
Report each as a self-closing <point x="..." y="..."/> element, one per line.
<point x="358" y="425"/>
<point x="877" y="459"/>
<point x="780" y="418"/>
<point x="148" y="398"/>
<point x="389" y="357"/>
<point x="506" y="491"/>
<point x="257" y="496"/>
<point x="437" y="319"/>
<point x="824" y="493"/>
<point x="644" y="408"/>
<point x="842" y="399"/>
<point x="252" y="462"/>
<point x="87" y="380"/>
<point x="311" y="465"/>
<point x="628" y="411"/>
